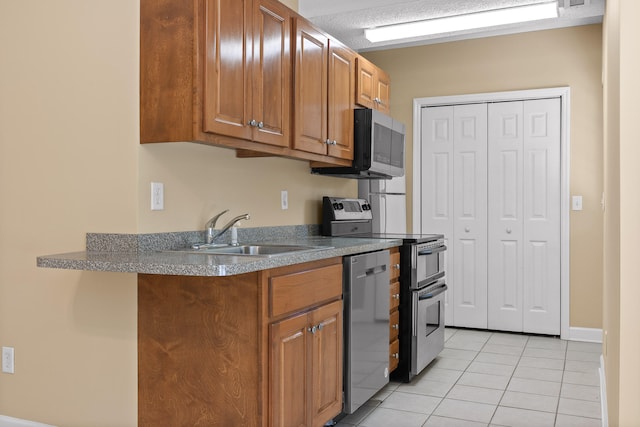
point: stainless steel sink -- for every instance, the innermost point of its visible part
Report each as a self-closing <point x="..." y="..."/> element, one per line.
<point x="258" y="250"/>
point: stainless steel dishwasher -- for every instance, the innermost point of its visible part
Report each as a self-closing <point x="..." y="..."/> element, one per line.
<point x="366" y="327"/>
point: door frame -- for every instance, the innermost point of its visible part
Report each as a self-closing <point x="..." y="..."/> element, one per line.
<point x="563" y="93"/>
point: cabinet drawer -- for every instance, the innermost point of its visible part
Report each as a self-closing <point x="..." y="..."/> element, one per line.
<point x="394" y="262"/>
<point x="394" y="325"/>
<point x="394" y="355"/>
<point x="297" y="291"/>
<point x="394" y="295"/>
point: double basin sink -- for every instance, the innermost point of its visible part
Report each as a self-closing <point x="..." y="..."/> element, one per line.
<point x="257" y="250"/>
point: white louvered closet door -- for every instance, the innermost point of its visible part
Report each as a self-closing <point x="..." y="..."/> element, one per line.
<point x="469" y="281"/>
<point x="437" y="185"/>
<point x="505" y="222"/>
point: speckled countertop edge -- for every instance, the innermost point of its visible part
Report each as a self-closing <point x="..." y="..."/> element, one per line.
<point x="143" y="253"/>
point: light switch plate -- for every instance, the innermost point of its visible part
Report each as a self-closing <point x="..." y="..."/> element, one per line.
<point x="576" y="203"/>
<point x="7" y="360"/>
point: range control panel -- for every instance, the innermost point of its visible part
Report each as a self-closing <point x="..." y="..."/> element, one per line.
<point x="343" y="209"/>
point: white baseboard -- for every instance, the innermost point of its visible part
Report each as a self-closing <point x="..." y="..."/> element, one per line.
<point x="603" y="394"/>
<point x="585" y="334"/>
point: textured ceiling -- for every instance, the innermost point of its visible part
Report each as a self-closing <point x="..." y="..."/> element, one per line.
<point x="347" y="19"/>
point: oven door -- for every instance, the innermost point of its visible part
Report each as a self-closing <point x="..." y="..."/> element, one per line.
<point x="427" y="339"/>
<point x="429" y="264"/>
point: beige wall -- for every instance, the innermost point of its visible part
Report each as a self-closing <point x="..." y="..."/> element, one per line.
<point x="566" y="57"/>
<point x="621" y="225"/>
<point x="70" y="163"/>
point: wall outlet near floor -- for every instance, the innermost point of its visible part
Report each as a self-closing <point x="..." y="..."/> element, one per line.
<point x="284" y="199"/>
<point x="7" y="360"/>
<point x="157" y="196"/>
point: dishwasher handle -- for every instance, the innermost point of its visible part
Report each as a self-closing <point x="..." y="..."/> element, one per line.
<point x="373" y="271"/>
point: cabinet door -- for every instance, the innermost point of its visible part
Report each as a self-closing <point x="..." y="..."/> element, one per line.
<point x="310" y="122"/>
<point x="227" y="96"/>
<point x="366" y="90"/>
<point x="383" y="91"/>
<point x="341" y="86"/>
<point x="271" y="72"/>
<point x="326" y="376"/>
<point x="470" y="216"/>
<point x="289" y="378"/>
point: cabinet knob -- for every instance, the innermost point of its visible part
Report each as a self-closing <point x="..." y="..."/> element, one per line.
<point x="508" y="231"/>
<point x="328" y="142"/>
<point x="396" y="326"/>
<point x="312" y="329"/>
<point x="376" y="100"/>
<point x="396" y="296"/>
<point x="320" y="326"/>
<point x="467" y="229"/>
<point x="396" y="266"/>
<point x="260" y="125"/>
<point x="334" y="142"/>
<point x="252" y="123"/>
<point x="395" y="356"/>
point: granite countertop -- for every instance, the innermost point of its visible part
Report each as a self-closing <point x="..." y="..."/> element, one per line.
<point x="155" y="253"/>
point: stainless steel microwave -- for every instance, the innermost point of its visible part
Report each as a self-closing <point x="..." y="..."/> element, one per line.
<point x="378" y="148"/>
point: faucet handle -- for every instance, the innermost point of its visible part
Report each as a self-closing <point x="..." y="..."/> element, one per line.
<point x="212" y="222"/>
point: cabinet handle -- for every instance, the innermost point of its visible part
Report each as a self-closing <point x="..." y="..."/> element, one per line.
<point x="396" y="296"/>
<point x="396" y="326"/>
<point x="376" y="100"/>
<point x="312" y="329"/>
<point x="260" y="125"/>
<point x="395" y="356"/>
<point x="334" y="142"/>
<point x="320" y="326"/>
<point x="328" y="141"/>
<point x="396" y="266"/>
<point x="253" y="123"/>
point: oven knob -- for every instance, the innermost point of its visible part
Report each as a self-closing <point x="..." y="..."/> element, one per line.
<point x="340" y="206"/>
<point x="467" y="229"/>
<point x="336" y="206"/>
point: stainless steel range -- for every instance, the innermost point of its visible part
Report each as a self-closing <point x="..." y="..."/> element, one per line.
<point x="422" y="282"/>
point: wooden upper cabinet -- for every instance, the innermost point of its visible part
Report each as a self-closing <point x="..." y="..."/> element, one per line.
<point x="341" y="79"/>
<point x="247" y="70"/>
<point x="372" y="86"/>
<point x="310" y="87"/>
<point x="323" y="86"/>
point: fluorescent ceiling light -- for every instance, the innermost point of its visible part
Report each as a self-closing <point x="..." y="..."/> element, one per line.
<point x="470" y="21"/>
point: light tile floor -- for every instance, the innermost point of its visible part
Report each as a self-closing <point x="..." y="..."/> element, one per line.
<point x="485" y="378"/>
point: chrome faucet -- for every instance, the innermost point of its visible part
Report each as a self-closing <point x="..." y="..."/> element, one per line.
<point x="211" y="235"/>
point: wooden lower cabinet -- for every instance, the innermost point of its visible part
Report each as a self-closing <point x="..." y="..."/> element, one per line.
<point x="306" y="368"/>
<point x="394" y="314"/>
<point x="255" y="349"/>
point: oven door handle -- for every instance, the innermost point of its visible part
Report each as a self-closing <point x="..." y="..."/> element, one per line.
<point x="430" y="295"/>
<point x="432" y="250"/>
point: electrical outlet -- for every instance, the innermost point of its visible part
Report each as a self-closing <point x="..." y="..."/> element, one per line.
<point x="284" y="199"/>
<point x="7" y="360"/>
<point x="157" y="196"/>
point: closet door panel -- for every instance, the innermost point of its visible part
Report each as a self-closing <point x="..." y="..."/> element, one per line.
<point x="542" y="216"/>
<point x="505" y="222"/>
<point x="469" y="282"/>
<point x="437" y="184"/>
